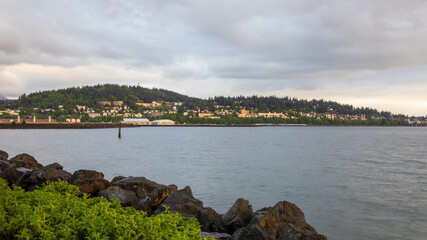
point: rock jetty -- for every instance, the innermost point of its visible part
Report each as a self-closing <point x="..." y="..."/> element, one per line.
<point x="282" y="221"/>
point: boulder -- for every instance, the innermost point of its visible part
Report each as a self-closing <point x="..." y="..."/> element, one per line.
<point x="4" y="165"/>
<point x="12" y="174"/>
<point x="88" y="181"/>
<point x="216" y="235"/>
<point x="51" y="166"/>
<point x="115" y="179"/>
<point x="210" y="220"/>
<point x="26" y="161"/>
<point x="184" y="203"/>
<point x="31" y="179"/>
<point x="54" y="174"/>
<point x="238" y="216"/>
<point x="3" y="155"/>
<point x="126" y="198"/>
<point x="17" y="166"/>
<point x="144" y="207"/>
<point x="148" y="191"/>
<point x="283" y="221"/>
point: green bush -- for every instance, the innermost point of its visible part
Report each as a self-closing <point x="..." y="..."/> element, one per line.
<point x="55" y="211"/>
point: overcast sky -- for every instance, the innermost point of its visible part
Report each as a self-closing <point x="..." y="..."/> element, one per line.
<point x="365" y="53"/>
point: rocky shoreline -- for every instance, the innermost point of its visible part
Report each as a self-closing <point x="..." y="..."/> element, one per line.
<point x="282" y="221"/>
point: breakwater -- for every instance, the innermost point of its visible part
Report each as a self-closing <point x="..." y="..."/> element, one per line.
<point x="282" y="221"/>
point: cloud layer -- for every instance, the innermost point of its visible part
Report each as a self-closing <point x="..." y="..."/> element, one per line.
<point x="358" y="52"/>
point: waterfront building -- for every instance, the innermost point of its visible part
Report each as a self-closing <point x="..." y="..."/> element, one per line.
<point x="138" y="121"/>
<point x="163" y="122"/>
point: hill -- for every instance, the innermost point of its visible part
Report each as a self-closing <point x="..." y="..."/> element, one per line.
<point x="3" y="97"/>
<point x="90" y="95"/>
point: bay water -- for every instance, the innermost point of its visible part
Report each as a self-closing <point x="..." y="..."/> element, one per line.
<point x="351" y="182"/>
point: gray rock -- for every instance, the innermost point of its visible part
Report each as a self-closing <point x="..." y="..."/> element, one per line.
<point x="88" y="181"/>
<point x="126" y="198"/>
<point x="148" y="191"/>
<point x="283" y="221"/>
<point x="238" y="216"/>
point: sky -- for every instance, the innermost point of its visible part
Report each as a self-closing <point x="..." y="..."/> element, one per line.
<point x="364" y="53"/>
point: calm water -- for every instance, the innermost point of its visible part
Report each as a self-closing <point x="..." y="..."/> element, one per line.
<point x="351" y="182"/>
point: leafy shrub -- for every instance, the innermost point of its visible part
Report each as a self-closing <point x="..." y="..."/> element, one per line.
<point x="55" y="211"/>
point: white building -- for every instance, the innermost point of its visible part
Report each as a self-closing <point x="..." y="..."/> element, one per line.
<point x="138" y="121"/>
<point x="163" y="122"/>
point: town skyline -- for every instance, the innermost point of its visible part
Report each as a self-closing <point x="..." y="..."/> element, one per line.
<point x="364" y="53"/>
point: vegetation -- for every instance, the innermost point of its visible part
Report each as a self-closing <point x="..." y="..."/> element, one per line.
<point x="90" y="95"/>
<point x="62" y="105"/>
<point x="54" y="211"/>
<point x="230" y="119"/>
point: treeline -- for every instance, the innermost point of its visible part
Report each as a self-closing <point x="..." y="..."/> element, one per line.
<point x="232" y="119"/>
<point x="286" y="104"/>
<point x="90" y="95"/>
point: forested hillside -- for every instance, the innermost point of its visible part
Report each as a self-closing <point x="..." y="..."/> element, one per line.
<point x="90" y="95"/>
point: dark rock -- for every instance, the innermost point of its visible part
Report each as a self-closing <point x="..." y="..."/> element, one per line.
<point x="210" y="220"/>
<point x="184" y="203"/>
<point x="144" y="207"/>
<point x="55" y="174"/>
<point x="115" y="179"/>
<point x="31" y="179"/>
<point x="4" y="165"/>
<point x="12" y="174"/>
<point x="238" y="216"/>
<point x="3" y="155"/>
<point x="51" y="166"/>
<point x="26" y="161"/>
<point x="283" y="221"/>
<point x="89" y="181"/>
<point x="18" y="166"/>
<point x="126" y="198"/>
<point x="148" y="191"/>
<point x="216" y="235"/>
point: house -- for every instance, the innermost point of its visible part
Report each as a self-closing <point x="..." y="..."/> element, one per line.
<point x="94" y="115"/>
<point x="104" y="103"/>
<point x="118" y="103"/>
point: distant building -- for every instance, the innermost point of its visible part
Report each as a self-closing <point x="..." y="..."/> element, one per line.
<point x="118" y="103"/>
<point x="138" y="121"/>
<point x="94" y="115"/>
<point x="104" y="103"/>
<point x="163" y="122"/>
<point x="144" y="104"/>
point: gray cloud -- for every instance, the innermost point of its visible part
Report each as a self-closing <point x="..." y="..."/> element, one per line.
<point x="246" y="46"/>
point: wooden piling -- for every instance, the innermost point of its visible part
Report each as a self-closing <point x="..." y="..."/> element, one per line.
<point x="120" y="130"/>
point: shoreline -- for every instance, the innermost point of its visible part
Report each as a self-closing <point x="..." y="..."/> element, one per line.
<point x="117" y="125"/>
<point x="240" y="222"/>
